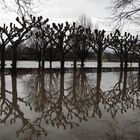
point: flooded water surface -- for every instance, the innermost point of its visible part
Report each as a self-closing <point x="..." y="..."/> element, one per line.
<point x="65" y="106"/>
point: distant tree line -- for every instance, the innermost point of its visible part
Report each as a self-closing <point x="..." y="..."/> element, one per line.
<point x="42" y="41"/>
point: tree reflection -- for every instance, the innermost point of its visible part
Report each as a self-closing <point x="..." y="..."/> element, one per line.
<point x="41" y="89"/>
<point x="57" y="112"/>
<point x="98" y="95"/>
<point x="10" y="110"/>
<point x="79" y="95"/>
<point x="134" y="87"/>
<point x="85" y="95"/>
<point x="123" y="96"/>
<point x="64" y="100"/>
<point x="64" y="105"/>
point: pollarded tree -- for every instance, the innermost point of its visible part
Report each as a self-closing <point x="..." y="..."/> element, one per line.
<point x="17" y="35"/>
<point x="84" y="44"/>
<point x="60" y="37"/>
<point x="45" y="34"/>
<point x="35" y="44"/>
<point x="75" y="33"/>
<point x="122" y="45"/>
<point x="79" y="42"/>
<point x="99" y="42"/>
<point x="85" y="33"/>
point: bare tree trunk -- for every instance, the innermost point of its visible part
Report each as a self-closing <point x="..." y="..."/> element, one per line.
<point x="39" y="59"/>
<point x="75" y="59"/>
<point x="125" y="63"/>
<point x="82" y="63"/>
<point x="39" y="64"/>
<point x="62" y="65"/>
<point x="121" y="64"/>
<point x="43" y="64"/>
<point x="99" y="63"/>
<point x="14" y="60"/>
<point x="2" y="85"/>
<point x="62" y="62"/>
<point x="2" y="58"/>
<point x="75" y="64"/>
<point x="43" y="59"/>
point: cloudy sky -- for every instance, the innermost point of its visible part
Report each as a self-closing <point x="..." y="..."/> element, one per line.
<point x="69" y="10"/>
<point x="61" y="10"/>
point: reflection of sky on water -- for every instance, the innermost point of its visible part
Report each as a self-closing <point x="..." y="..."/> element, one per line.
<point x="79" y="97"/>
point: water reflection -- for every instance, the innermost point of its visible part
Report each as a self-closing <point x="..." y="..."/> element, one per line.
<point x="124" y="95"/>
<point x="11" y="112"/>
<point x="63" y="100"/>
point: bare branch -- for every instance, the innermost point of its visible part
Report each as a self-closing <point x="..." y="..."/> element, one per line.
<point x="23" y="7"/>
<point x="124" y="11"/>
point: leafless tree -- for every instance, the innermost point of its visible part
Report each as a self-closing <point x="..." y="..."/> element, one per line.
<point x="18" y="34"/>
<point x="124" y="10"/>
<point x="61" y="40"/>
<point x="122" y="44"/>
<point x="99" y="42"/>
<point x="11" y="111"/>
<point x="22" y="7"/>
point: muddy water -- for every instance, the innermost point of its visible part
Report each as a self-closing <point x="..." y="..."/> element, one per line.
<point x="77" y="105"/>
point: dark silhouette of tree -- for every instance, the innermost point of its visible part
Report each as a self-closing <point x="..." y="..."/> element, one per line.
<point x="125" y="10"/>
<point x="11" y="111"/>
<point x="123" y="96"/>
<point x="99" y="42"/>
<point x="3" y="43"/>
<point x="75" y="40"/>
<point x="123" y="45"/>
<point x="51" y="52"/>
<point x="41" y="87"/>
<point x="85" y="33"/>
<point x="85" y="95"/>
<point x="60" y="39"/>
<point x="84" y="46"/>
<point x="35" y="44"/>
<point x="54" y="114"/>
<point x="17" y="35"/>
<point x="46" y="37"/>
<point x="64" y="109"/>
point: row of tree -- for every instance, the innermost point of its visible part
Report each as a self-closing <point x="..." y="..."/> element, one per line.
<point x="65" y="38"/>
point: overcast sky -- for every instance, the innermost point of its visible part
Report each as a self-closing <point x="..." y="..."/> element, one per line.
<point x="61" y="10"/>
<point x="69" y="10"/>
